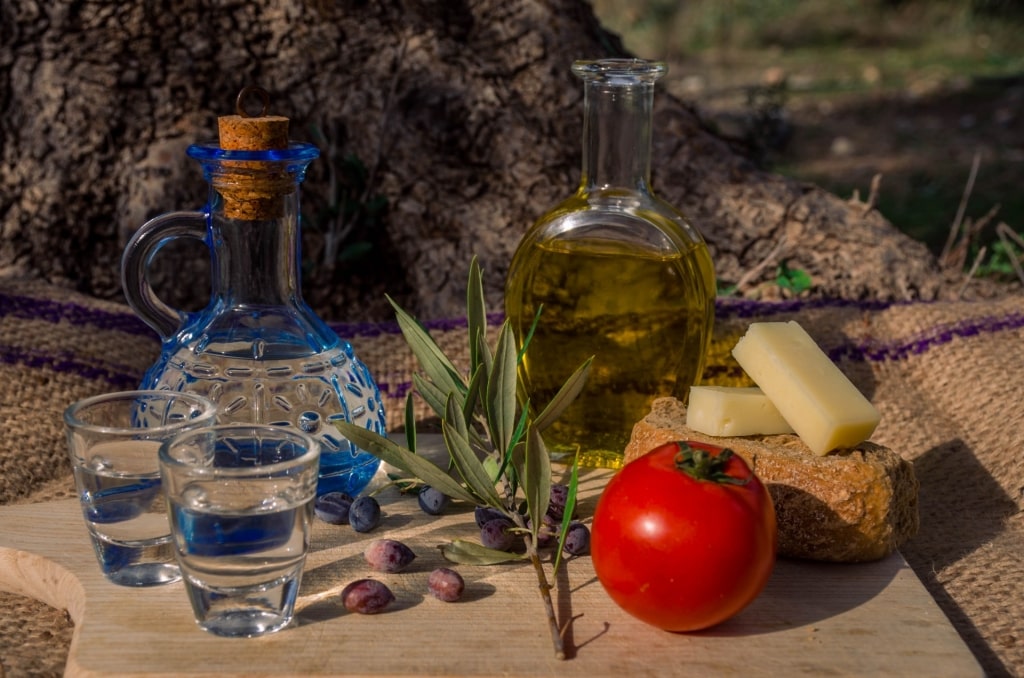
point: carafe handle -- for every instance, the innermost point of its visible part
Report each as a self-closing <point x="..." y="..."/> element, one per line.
<point x="137" y="256"/>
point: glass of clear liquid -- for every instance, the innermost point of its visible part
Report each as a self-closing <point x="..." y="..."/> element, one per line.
<point x="113" y="442"/>
<point x="240" y="500"/>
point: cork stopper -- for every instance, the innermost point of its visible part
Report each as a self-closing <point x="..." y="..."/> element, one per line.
<point x="252" y="189"/>
<point x="240" y="132"/>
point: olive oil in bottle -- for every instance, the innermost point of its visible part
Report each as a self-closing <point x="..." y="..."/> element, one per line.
<point x="616" y="274"/>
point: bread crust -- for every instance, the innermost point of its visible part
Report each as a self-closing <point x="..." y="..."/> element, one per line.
<point x="851" y="505"/>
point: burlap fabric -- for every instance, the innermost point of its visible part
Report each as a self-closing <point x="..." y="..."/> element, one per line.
<point x="948" y="379"/>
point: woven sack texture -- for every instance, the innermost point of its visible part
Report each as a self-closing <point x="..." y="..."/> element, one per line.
<point x="948" y="379"/>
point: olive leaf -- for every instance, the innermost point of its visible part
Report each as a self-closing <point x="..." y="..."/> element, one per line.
<point x="485" y="360"/>
<point x="517" y="435"/>
<point x="455" y="418"/>
<point x="410" y="423"/>
<point x="570" y="508"/>
<point x="476" y="316"/>
<point x="429" y="355"/>
<point x="413" y="464"/>
<point x="470" y="553"/>
<point x="434" y="396"/>
<point x="536" y="480"/>
<point x="473" y="393"/>
<point x="501" y="390"/>
<point x="469" y="466"/>
<point x="565" y="396"/>
<point x="491" y="465"/>
<point x="530" y="332"/>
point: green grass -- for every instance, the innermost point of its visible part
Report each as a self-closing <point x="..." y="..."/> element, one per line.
<point x="933" y="58"/>
<point x="670" y="28"/>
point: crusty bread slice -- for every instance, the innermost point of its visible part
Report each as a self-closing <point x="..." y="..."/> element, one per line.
<point x="851" y="505"/>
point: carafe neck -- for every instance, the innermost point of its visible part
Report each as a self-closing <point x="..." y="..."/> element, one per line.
<point x="257" y="262"/>
<point x="255" y="223"/>
<point x="618" y="100"/>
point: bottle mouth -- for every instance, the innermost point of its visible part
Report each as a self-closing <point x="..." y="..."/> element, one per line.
<point x="297" y="152"/>
<point x="619" y="71"/>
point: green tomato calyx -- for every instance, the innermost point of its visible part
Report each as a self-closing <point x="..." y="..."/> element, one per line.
<point x="702" y="465"/>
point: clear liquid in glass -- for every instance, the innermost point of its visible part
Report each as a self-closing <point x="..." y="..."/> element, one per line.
<point x="126" y="516"/>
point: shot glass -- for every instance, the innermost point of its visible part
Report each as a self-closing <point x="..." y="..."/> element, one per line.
<point x="113" y="442"/>
<point x="240" y="502"/>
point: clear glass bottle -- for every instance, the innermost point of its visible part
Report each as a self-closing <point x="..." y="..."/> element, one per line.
<point x="619" y="274"/>
<point x="257" y="350"/>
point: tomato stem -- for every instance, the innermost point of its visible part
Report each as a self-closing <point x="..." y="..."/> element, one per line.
<point x="701" y="465"/>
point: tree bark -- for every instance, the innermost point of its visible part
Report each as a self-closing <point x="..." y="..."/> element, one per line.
<point x="463" y="115"/>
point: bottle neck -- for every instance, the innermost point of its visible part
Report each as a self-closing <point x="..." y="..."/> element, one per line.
<point x="255" y="223"/>
<point x="617" y="135"/>
<point x="257" y="261"/>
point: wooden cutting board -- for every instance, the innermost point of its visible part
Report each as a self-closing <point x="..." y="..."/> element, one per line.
<point x="813" y="618"/>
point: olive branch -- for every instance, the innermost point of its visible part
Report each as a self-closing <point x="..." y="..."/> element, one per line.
<point x="494" y="443"/>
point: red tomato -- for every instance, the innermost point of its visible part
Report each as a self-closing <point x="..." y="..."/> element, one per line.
<point x="683" y="553"/>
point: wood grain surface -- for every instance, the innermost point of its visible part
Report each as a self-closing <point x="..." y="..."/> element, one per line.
<point x="813" y="618"/>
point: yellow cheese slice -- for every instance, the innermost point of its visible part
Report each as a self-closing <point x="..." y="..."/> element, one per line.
<point x="824" y="408"/>
<point x="732" y="411"/>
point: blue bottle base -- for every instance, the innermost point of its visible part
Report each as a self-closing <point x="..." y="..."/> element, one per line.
<point x="339" y="472"/>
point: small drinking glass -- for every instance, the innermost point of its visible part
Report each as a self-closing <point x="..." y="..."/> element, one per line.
<point x="113" y="442"/>
<point x="240" y="500"/>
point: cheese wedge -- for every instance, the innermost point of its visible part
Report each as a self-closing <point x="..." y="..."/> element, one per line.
<point x="824" y="408"/>
<point x="732" y="411"/>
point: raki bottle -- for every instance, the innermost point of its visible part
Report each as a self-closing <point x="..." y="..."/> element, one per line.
<point x="257" y="350"/>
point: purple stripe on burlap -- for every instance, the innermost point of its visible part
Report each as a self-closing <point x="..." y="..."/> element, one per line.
<point x="75" y="314"/>
<point x="31" y="308"/>
<point x="66" y="363"/>
<point x="873" y="351"/>
<point x="56" y="311"/>
<point x="728" y="307"/>
<point x="930" y="338"/>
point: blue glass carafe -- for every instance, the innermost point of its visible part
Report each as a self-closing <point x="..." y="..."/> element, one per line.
<point x="257" y="349"/>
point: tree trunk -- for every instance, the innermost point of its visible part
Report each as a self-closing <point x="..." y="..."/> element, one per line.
<point x="462" y="115"/>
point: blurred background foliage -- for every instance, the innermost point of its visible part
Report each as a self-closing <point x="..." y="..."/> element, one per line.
<point x="924" y="93"/>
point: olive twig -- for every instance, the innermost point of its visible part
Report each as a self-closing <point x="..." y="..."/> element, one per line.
<point x="497" y="457"/>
